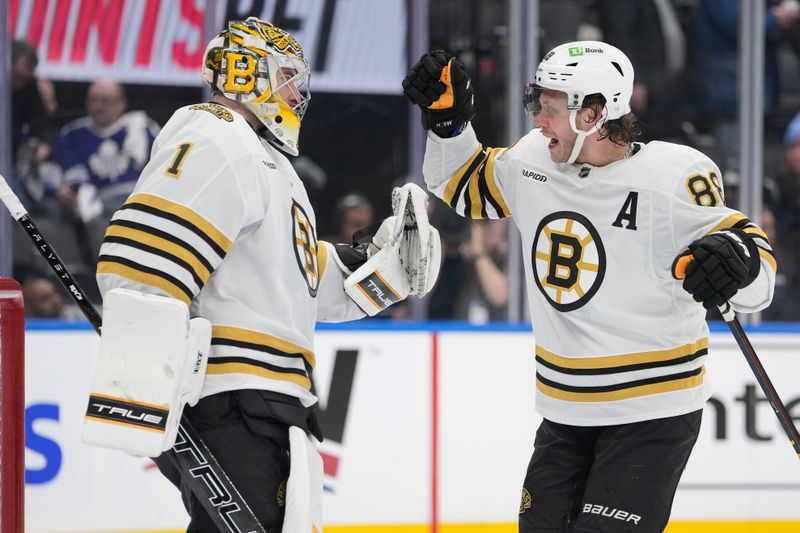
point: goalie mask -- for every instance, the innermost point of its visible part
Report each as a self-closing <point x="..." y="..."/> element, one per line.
<point x="262" y="67"/>
<point x="580" y="69"/>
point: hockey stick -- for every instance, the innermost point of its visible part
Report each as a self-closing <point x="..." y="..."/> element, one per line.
<point x="195" y="462"/>
<point x="750" y="355"/>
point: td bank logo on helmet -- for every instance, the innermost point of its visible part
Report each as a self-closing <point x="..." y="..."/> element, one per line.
<point x="575" y="51"/>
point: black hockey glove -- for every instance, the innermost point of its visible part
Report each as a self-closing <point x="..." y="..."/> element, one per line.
<point x="723" y="263"/>
<point x="440" y="86"/>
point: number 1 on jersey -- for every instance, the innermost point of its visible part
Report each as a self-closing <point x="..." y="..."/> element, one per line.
<point x="174" y="169"/>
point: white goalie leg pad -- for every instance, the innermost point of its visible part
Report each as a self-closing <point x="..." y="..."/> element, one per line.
<point x="304" y="488"/>
<point x="152" y="361"/>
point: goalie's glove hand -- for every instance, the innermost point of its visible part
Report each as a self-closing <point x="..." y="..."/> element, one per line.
<point x="403" y="256"/>
<point x="441" y="87"/>
<point x="722" y="263"/>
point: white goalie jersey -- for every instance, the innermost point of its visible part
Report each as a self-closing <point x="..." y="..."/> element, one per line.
<point x="618" y="339"/>
<point x="220" y="220"/>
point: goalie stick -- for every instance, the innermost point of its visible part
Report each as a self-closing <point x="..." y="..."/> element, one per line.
<point x="750" y="355"/>
<point x="208" y="481"/>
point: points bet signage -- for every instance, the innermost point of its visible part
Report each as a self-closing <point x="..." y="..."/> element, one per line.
<point x="352" y="45"/>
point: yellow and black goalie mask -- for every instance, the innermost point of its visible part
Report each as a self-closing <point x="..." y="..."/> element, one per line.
<point x="262" y="67"/>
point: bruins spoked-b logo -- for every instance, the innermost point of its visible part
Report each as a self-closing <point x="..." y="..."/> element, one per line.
<point x="305" y="247"/>
<point x="526" y="502"/>
<point x="568" y="260"/>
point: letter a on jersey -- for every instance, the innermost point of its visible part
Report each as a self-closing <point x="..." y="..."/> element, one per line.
<point x="628" y="211"/>
<point x="568" y="260"/>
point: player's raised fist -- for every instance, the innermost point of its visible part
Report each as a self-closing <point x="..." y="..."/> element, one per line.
<point x="441" y="87"/>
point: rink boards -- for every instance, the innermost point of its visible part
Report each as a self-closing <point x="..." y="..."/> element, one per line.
<point x="425" y="424"/>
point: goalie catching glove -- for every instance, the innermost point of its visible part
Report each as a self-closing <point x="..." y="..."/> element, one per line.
<point x="440" y="86"/>
<point x="402" y="259"/>
<point x="152" y="362"/>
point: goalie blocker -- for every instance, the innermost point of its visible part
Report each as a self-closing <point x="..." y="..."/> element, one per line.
<point x="152" y="362"/>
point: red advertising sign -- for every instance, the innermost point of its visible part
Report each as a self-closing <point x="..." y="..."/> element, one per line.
<point x="352" y="45"/>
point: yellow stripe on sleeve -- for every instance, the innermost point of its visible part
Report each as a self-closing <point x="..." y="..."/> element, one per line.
<point x="186" y="214"/>
<point x="452" y="183"/>
<point x="494" y="190"/>
<point x="123" y="271"/>
<point x="768" y="257"/>
<point x="162" y="244"/>
<point x="727" y="223"/>
<point x="475" y="197"/>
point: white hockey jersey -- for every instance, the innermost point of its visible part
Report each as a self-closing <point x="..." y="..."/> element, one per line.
<point x="220" y="220"/>
<point x="618" y="339"/>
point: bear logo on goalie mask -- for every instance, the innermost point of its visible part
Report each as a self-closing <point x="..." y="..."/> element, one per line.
<point x="262" y="67"/>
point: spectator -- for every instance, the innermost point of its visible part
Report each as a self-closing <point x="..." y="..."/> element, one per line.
<point x="443" y="301"/>
<point x="715" y="35"/>
<point x="31" y="127"/>
<point x="786" y="302"/>
<point x="105" y="150"/>
<point x="101" y="155"/>
<point x="43" y="299"/>
<point x="352" y="213"/>
<point x="649" y="32"/>
<point x="485" y="295"/>
<point x="789" y="175"/>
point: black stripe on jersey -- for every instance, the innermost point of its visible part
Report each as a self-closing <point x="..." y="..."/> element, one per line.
<point x="502" y="213"/>
<point x="166" y="236"/>
<point x="743" y="224"/>
<point x="253" y="362"/>
<point x="221" y="341"/>
<point x="467" y="202"/>
<point x="147" y="270"/>
<point x="462" y="182"/>
<point x="483" y="187"/>
<point x="159" y="252"/>
<point x="624" y="368"/>
<point x="178" y="220"/>
<point x="620" y="386"/>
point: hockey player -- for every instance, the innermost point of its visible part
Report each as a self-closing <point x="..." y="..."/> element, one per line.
<point x="620" y="343"/>
<point x="217" y="246"/>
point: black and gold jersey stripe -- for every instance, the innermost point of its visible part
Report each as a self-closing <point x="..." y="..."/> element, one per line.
<point x="126" y="268"/>
<point x="232" y="356"/>
<point x="181" y="215"/>
<point x="243" y="365"/>
<point x="263" y="342"/>
<point x="474" y="187"/>
<point x="159" y="243"/>
<point x="612" y="371"/>
<point x="741" y="222"/>
<point x="622" y="391"/>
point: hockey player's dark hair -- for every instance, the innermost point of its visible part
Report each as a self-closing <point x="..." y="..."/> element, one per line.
<point x="623" y="130"/>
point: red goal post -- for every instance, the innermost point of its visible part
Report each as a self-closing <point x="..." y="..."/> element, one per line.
<point x="12" y="407"/>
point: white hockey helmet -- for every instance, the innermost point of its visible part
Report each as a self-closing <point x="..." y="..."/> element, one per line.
<point x="262" y="67"/>
<point x="580" y="69"/>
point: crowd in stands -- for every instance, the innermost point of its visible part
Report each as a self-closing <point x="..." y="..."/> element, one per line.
<point x="73" y="174"/>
